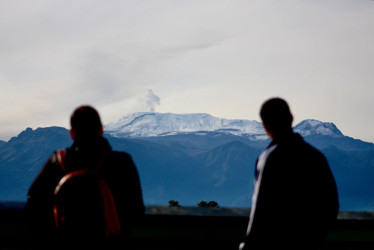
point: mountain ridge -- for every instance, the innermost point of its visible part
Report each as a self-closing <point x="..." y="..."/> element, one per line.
<point x="147" y="124"/>
<point x="196" y="165"/>
<point x="144" y="124"/>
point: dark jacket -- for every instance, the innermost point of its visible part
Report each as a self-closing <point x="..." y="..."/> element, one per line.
<point x="118" y="170"/>
<point x="295" y="200"/>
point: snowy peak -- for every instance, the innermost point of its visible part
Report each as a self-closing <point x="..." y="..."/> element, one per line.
<point x="313" y="127"/>
<point x="148" y="124"/>
<point x="158" y="124"/>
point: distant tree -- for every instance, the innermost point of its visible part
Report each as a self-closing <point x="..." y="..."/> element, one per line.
<point x="173" y="203"/>
<point x="213" y="204"/>
<point x="207" y="204"/>
<point x="202" y="204"/>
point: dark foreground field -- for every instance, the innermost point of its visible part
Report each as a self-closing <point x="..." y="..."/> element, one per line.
<point x="199" y="228"/>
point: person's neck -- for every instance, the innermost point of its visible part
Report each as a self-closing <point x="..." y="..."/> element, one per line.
<point x="282" y="136"/>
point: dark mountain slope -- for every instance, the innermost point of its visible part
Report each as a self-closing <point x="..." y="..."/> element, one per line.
<point x="23" y="156"/>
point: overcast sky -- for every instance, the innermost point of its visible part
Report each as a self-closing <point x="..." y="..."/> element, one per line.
<point x="187" y="56"/>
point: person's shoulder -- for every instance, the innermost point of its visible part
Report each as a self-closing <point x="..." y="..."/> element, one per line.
<point x="309" y="147"/>
<point x="55" y="160"/>
<point x="312" y="152"/>
<point x="120" y="156"/>
<point x="269" y="155"/>
<point x="119" y="161"/>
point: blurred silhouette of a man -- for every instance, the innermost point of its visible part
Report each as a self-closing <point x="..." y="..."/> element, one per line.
<point x="88" y="151"/>
<point x="295" y="198"/>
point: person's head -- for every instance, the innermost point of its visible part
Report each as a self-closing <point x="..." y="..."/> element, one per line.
<point x="276" y="117"/>
<point x="85" y="124"/>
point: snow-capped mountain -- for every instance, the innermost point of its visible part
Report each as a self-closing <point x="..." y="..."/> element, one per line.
<point x="160" y="124"/>
<point x="313" y="127"/>
<point x="191" y="165"/>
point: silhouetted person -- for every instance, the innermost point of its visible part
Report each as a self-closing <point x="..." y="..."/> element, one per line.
<point x="295" y="198"/>
<point x="88" y="151"/>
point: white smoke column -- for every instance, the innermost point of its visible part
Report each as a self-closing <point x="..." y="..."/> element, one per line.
<point x="152" y="100"/>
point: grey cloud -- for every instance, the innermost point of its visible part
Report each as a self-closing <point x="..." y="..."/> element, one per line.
<point x="60" y="54"/>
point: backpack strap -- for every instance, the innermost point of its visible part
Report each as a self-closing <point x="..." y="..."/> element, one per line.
<point x="60" y="157"/>
<point x="113" y="226"/>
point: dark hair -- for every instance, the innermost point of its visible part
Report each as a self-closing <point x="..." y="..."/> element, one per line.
<point x="276" y="115"/>
<point x="86" y="123"/>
